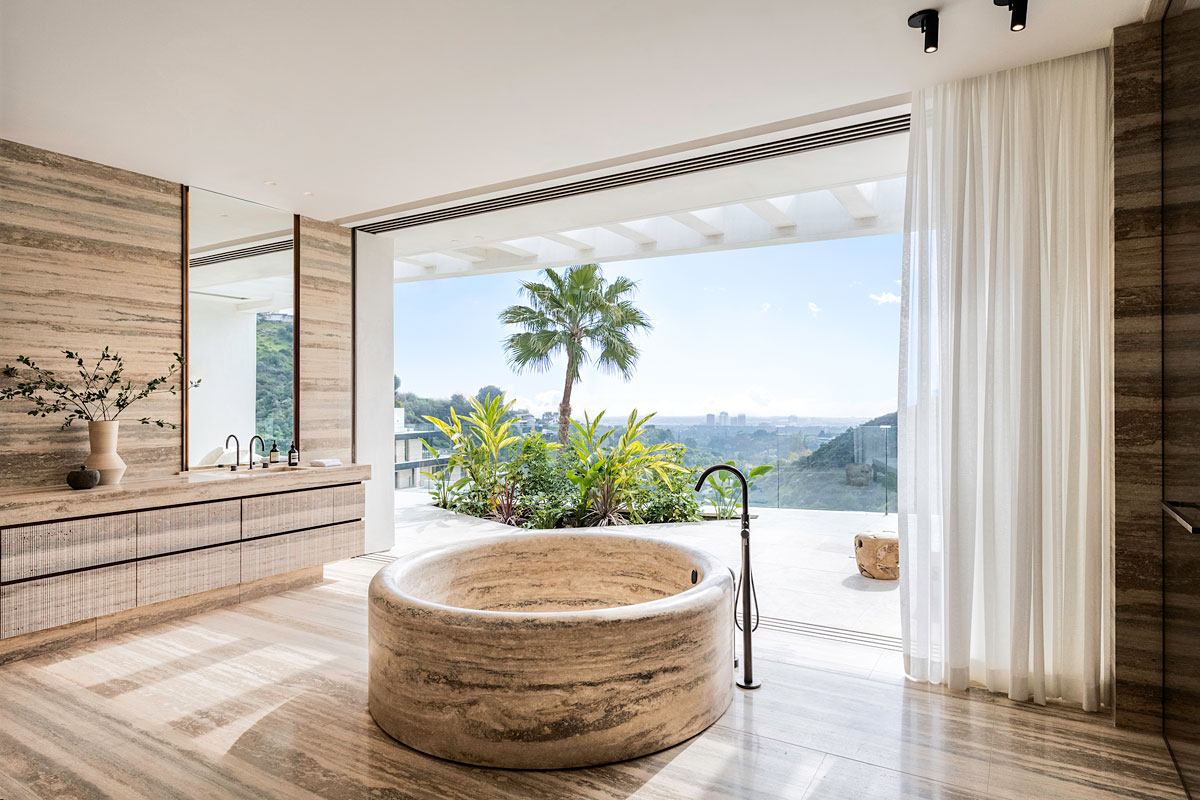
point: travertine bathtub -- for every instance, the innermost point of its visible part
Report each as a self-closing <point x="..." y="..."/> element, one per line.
<point x="550" y="650"/>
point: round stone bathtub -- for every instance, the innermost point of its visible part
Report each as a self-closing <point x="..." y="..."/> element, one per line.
<point x="550" y="650"/>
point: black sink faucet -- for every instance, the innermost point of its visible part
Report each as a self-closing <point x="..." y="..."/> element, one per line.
<point x="251" y="446"/>
<point x="237" y="452"/>
<point x="746" y="582"/>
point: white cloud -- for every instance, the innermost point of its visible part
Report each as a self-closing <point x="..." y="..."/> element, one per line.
<point x="766" y="307"/>
<point x="539" y="402"/>
<point x="884" y="297"/>
<point x="814" y="308"/>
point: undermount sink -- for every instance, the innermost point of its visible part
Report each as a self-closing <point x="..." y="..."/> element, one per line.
<point x="225" y="473"/>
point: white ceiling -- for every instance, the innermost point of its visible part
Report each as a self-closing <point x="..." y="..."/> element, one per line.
<point x="376" y="103"/>
<point x="220" y="222"/>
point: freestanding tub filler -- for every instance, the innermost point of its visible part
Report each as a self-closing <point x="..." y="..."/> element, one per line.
<point x="550" y="650"/>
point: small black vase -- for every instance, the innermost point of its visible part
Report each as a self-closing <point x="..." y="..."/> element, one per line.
<point x="83" y="478"/>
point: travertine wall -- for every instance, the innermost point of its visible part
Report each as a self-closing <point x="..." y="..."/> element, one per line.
<point x="1181" y="388"/>
<point x="325" y="328"/>
<point x="89" y="256"/>
<point x="1138" y="307"/>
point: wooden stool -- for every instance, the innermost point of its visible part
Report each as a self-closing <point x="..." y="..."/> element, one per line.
<point x="878" y="556"/>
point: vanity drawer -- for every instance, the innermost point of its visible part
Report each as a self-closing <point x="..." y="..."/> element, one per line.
<point x="292" y="551"/>
<point x="49" y="602"/>
<point x="349" y="502"/>
<point x="291" y="511"/>
<point x="168" y="577"/>
<point x="32" y="550"/>
<point x="167" y="530"/>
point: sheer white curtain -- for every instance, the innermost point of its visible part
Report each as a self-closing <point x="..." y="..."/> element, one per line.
<point x="1006" y="383"/>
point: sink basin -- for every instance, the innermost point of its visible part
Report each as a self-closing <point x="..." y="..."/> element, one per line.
<point x="201" y="476"/>
<point x="224" y="473"/>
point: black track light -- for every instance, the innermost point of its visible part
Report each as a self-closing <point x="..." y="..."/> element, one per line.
<point x="927" y="21"/>
<point x="1018" y="9"/>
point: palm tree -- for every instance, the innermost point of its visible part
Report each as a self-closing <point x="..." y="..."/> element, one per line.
<point x="577" y="314"/>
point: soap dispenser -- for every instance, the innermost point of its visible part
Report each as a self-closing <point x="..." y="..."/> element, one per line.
<point x="273" y="456"/>
<point x="293" y="456"/>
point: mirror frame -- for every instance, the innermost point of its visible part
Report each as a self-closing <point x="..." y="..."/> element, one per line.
<point x="185" y="197"/>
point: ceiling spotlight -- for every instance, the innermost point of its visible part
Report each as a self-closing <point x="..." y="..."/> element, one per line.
<point x="1018" y="9"/>
<point x="927" y="21"/>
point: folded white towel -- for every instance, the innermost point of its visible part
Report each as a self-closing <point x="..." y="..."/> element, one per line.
<point x="326" y="462"/>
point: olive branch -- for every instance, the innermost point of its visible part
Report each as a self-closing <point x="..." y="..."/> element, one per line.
<point x="98" y="393"/>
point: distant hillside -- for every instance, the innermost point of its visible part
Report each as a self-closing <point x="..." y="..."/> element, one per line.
<point x="274" y="382"/>
<point x="839" y="451"/>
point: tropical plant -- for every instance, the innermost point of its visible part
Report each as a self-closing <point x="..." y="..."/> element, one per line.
<point x="477" y="446"/>
<point x="99" y="394"/>
<point x="504" y="503"/>
<point x="727" y="490"/>
<point x="671" y="500"/>
<point x="537" y="469"/>
<point x="609" y="479"/>
<point x="479" y="443"/>
<point x="582" y="316"/>
<point x="605" y="477"/>
<point x="490" y="432"/>
<point x="442" y="478"/>
<point x="544" y="510"/>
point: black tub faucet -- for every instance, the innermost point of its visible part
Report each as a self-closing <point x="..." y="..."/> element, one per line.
<point x="745" y="585"/>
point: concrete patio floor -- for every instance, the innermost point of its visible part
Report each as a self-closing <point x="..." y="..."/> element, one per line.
<point x="803" y="561"/>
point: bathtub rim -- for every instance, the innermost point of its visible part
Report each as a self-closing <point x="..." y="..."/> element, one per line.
<point x="716" y="578"/>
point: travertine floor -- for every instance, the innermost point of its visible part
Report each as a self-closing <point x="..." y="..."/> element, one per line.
<point x="268" y="699"/>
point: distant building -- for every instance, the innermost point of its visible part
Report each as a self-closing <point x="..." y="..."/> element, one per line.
<point x="724" y="418"/>
<point x="741" y="421"/>
<point x="710" y="420"/>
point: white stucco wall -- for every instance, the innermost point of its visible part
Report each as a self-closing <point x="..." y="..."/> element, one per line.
<point x="221" y="353"/>
<point x="374" y="386"/>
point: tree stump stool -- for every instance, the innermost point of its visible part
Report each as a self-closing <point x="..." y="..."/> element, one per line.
<point x="878" y="556"/>
<point x="858" y="474"/>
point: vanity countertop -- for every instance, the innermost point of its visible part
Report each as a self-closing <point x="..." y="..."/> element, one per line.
<point x="45" y="503"/>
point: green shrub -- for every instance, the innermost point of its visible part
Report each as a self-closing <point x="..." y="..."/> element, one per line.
<point x="609" y="480"/>
<point x="600" y="478"/>
<point x="673" y="499"/>
<point x="727" y="490"/>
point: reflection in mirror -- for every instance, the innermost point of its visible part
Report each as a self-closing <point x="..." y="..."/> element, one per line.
<point x="240" y="337"/>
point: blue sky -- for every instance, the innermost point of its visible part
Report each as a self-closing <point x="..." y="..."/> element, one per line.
<point x="806" y="329"/>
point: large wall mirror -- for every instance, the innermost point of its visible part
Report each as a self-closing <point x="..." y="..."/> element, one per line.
<point x="241" y="334"/>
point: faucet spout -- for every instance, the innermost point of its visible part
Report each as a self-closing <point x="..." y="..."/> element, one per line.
<point x="237" y="452"/>
<point x="737" y="473"/>
<point x="251" y="446"/>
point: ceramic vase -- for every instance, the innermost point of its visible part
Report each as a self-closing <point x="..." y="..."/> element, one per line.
<point x="103" y="437"/>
